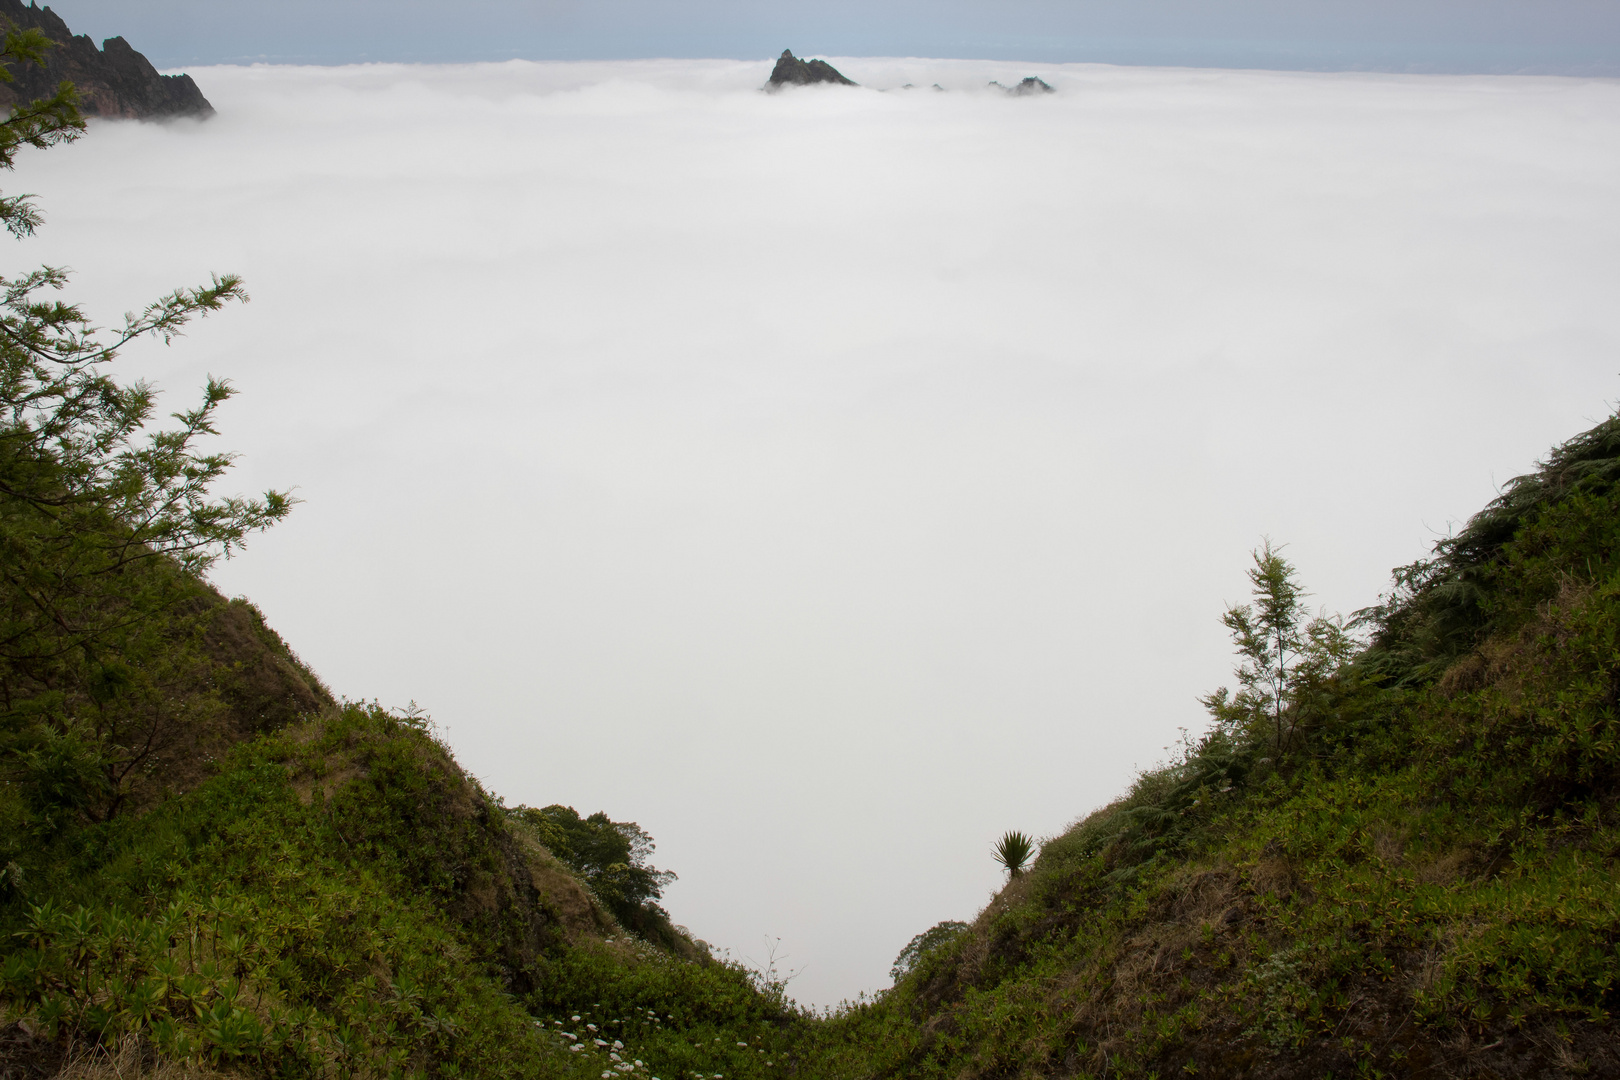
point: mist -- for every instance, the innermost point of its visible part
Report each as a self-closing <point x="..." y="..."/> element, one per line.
<point x="830" y="481"/>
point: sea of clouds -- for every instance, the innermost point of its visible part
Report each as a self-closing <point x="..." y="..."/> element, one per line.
<point x="830" y="481"/>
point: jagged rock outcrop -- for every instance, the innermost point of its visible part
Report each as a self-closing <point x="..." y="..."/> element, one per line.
<point x="791" y="71"/>
<point x="1029" y="86"/>
<point x="113" y="80"/>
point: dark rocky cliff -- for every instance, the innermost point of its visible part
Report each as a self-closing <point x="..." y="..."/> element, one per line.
<point x="1029" y="86"/>
<point x="791" y="71"/>
<point x="114" y="80"/>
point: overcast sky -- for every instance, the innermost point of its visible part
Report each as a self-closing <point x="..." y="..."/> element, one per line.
<point x="830" y="481"/>
<point x="1557" y="36"/>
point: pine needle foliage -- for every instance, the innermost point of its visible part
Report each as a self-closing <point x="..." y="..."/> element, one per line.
<point x="39" y="124"/>
<point x="1287" y="654"/>
<point x="107" y="520"/>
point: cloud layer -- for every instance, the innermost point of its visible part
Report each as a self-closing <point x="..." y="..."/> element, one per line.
<point x="832" y="480"/>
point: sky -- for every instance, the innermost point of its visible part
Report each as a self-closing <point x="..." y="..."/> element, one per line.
<point x="1462" y="36"/>
<point x="830" y="481"/>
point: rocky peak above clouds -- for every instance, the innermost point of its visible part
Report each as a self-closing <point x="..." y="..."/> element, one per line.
<point x="113" y="81"/>
<point x="1025" y="88"/>
<point x="791" y="71"/>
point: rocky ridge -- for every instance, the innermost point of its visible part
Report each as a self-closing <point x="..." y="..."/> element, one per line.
<point x="791" y="71"/>
<point x="1025" y="88"/>
<point x="113" y="81"/>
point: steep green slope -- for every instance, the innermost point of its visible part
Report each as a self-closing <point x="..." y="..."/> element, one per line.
<point x="340" y="900"/>
<point x="1407" y="869"/>
<point x="1422" y="884"/>
<point x="205" y="862"/>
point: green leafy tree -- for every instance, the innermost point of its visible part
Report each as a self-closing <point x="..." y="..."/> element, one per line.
<point x="611" y="856"/>
<point x="923" y="944"/>
<point x="107" y="519"/>
<point x="1287" y="653"/>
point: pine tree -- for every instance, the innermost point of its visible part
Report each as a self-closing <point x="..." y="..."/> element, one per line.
<point x="107" y="521"/>
<point x="1287" y="654"/>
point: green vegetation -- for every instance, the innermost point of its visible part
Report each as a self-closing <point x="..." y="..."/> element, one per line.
<point x="105" y="529"/>
<point x="923" y="944"/>
<point x="1388" y="858"/>
<point x="340" y="900"/>
<point x="1392" y="852"/>
<point x="1289" y="658"/>
<point x="610" y="857"/>
<point x="1012" y="851"/>
<point x="206" y="863"/>
<point x="39" y="124"/>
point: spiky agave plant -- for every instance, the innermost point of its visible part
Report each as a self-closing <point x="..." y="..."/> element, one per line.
<point x="1013" y="851"/>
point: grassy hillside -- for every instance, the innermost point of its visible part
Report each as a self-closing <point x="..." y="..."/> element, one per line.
<point x="209" y="865"/>
<point x="339" y="899"/>
<point x="1421" y="883"/>
<point x="213" y="867"/>
<point x="1406" y="867"/>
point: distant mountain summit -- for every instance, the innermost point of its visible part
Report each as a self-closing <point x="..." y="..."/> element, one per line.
<point x="791" y="71"/>
<point x="1029" y="86"/>
<point x="113" y="80"/>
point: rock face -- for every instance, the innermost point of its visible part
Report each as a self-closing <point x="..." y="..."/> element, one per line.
<point x="791" y="71"/>
<point x="114" y="80"/>
<point x="1029" y="86"/>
